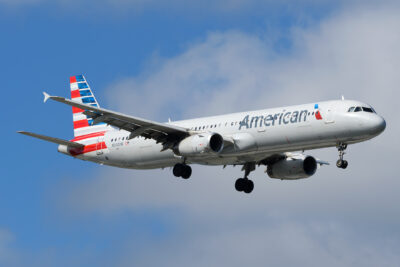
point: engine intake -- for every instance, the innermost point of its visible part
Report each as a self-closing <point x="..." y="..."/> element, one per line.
<point x="199" y="144"/>
<point x="292" y="169"/>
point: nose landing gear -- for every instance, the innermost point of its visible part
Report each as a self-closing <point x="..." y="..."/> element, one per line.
<point x="341" y="163"/>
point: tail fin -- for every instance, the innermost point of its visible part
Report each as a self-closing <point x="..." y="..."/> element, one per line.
<point x="81" y="92"/>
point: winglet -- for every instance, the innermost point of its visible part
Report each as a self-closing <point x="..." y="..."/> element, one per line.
<point x="46" y="97"/>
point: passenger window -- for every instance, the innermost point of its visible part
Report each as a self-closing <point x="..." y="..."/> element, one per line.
<point x="351" y="109"/>
<point x="358" y="109"/>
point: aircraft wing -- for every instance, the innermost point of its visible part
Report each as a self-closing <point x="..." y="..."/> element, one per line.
<point x="166" y="134"/>
<point x="53" y="139"/>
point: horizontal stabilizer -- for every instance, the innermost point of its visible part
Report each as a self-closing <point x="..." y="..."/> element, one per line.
<point x="53" y="139"/>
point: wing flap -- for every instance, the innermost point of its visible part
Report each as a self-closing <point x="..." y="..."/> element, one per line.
<point x="53" y="139"/>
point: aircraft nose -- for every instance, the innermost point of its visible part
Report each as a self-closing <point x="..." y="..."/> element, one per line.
<point x="378" y="124"/>
<point x="382" y="124"/>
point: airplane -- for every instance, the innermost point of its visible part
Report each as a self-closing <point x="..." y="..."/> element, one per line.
<point x="269" y="137"/>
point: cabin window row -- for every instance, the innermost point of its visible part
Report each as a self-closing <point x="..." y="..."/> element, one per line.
<point x="198" y="128"/>
<point x="119" y="139"/>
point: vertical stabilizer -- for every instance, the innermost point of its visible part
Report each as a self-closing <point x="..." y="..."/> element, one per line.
<point x="81" y="92"/>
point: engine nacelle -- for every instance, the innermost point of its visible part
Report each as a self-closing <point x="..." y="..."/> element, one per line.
<point x="292" y="169"/>
<point x="200" y="144"/>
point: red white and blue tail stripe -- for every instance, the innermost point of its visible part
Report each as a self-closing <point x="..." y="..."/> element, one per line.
<point x="83" y="126"/>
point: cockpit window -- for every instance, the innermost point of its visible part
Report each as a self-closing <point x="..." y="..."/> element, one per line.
<point x="367" y="109"/>
<point x="359" y="109"/>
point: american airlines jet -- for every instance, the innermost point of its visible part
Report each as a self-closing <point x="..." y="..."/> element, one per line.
<point x="267" y="137"/>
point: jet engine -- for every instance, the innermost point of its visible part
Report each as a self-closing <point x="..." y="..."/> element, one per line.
<point x="200" y="144"/>
<point x="293" y="168"/>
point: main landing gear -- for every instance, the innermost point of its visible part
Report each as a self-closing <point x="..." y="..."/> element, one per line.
<point x="245" y="184"/>
<point x="182" y="170"/>
<point x="341" y="163"/>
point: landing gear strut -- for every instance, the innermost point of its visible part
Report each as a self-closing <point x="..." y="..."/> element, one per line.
<point x="182" y="170"/>
<point x="341" y="163"/>
<point x="245" y="184"/>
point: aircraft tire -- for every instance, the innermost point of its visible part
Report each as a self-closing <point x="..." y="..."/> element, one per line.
<point x="239" y="185"/>
<point x="345" y="164"/>
<point x="339" y="163"/>
<point x="249" y="186"/>
<point x="178" y="169"/>
<point x="187" y="172"/>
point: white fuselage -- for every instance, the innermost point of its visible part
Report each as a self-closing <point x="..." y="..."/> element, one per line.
<point x="256" y="135"/>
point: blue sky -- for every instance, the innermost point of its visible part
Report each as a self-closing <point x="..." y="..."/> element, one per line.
<point x="161" y="59"/>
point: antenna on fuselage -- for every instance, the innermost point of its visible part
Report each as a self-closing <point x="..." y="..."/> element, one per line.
<point x="342" y="97"/>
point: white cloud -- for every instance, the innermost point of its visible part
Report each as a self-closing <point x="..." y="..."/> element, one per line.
<point x="288" y="244"/>
<point x="336" y="218"/>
